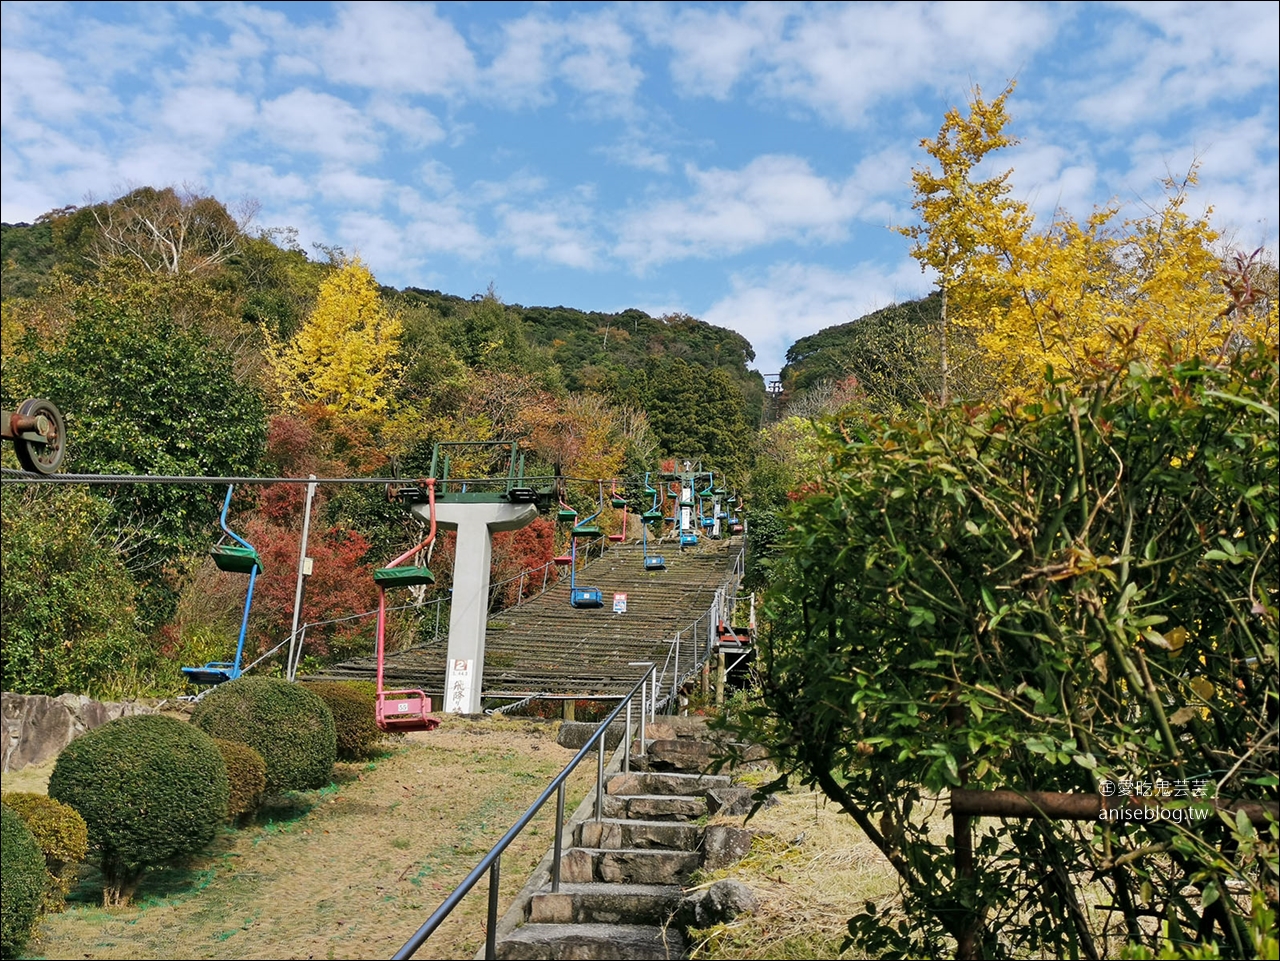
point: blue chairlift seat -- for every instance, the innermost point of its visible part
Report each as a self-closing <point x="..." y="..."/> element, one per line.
<point x="655" y="562"/>
<point x="708" y="522"/>
<point x="586" y="597"/>
<point x="688" y="539"/>
<point x="215" y="672"/>
<point x="237" y="558"/>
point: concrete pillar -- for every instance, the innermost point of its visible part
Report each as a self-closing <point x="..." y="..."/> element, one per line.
<point x="469" y="609"/>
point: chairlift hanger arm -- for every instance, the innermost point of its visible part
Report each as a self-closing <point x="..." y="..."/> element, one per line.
<point x="431" y="534"/>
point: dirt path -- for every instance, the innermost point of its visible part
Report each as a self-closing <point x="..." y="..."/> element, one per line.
<point x="350" y="871"/>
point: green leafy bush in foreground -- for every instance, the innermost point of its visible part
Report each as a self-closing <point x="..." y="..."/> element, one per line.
<point x="151" y="789"/>
<point x="1074" y="595"/>
<point x="288" y="725"/>
<point x="63" y="838"/>
<point x="247" y="775"/>
<point x="353" y="705"/>
<point x="23" y="880"/>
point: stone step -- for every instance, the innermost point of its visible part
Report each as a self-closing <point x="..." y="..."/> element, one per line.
<point x="653" y="782"/>
<point x="674" y="754"/>
<point x="615" y="833"/>
<point x="655" y="807"/>
<point x="606" y="904"/>
<point x="588" y="942"/>
<point x="628" y="865"/>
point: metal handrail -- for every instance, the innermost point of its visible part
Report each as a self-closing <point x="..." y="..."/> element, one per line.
<point x="492" y="862"/>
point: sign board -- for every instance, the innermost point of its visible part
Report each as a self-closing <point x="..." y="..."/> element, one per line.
<point x="458" y="687"/>
<point x="619" y="603"/>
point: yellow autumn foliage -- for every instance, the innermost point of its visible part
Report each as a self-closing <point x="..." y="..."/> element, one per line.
<point x="1077" y="293"/>
<point x="346" y="354"/>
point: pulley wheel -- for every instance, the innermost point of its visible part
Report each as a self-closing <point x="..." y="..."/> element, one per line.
<point x="41" y="457"/>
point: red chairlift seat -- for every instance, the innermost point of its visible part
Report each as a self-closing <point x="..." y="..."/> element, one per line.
<point x="563" y="560"/>
<point x="406" y="710"/>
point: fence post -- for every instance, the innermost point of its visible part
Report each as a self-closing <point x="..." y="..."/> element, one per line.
<point x="490" y="933"/>
<point x="600" y="775"/>
<point x="555" y="866"/>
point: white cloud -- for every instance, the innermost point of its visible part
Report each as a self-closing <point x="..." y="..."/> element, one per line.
<point x="207" y="114"/>
<point x="589" y="53"/>
<point x="598" y="59"/>
<point x="304" y="120"/>
<point x="441" y="226"/>
<point x="1178" y="56"/>
<point x="845" y="60"/>
<point x="775" y="307"/>
<point x="553" y="233"/>
<point x="520" y="74"/>
<point x="633" y="152"/>
<point x="32" y="83"/>
<point x="270" y="185"/>
<point x="771" y="199"/>
<point x="712" y="49"/>
<point x="351" y="188"/>
<point x="395" y="47"/>
<point x="414" y="126"/>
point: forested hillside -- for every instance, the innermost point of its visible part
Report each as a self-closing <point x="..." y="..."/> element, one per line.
<point x="178" y="341"/>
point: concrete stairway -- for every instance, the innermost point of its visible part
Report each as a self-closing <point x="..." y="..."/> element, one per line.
<point x="622" y="879"/>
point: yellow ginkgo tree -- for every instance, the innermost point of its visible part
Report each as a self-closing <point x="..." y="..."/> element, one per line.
<point x="1077" y="293"/>
<point x="967" y="225"/>
<point x="346" y="354"/>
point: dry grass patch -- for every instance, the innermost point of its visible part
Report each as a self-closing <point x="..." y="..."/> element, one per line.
<point x="349" y="871"/>
<point x="812" y="869"/>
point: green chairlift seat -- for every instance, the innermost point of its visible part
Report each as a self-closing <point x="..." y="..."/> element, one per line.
<point x="585" y="530"/>
<point x="566" y="515"/>
<point x="618" y="502"/>
<point x="236" y="559"/>
<point x="407" y="576"/>
<point x="652" y="517"/>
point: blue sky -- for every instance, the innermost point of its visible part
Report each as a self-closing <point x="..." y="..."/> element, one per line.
<point x="739" y="162"/>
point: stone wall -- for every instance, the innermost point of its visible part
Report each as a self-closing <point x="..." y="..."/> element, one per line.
<point x="37" y="728"/>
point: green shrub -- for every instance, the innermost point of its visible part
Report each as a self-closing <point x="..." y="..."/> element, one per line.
<point x="63" y="837"/>
<point x="151" y="790"/>
<point x="23" y="880"/>
<point x="247" y="772"/>
<point x="287" y="724"/>
<point x="353" y="705"/>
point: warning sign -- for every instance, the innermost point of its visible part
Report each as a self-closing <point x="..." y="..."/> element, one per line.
<point x="619" y="603"/>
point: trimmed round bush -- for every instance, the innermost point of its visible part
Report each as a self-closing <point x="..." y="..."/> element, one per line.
<point x="63" y="838"/>
<point x="247" y="772"/>
<point x="353" y="705"/>
<point x="287" y="724"/>
<point x="23" y="880"/>
<point x="151" y="789"/>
